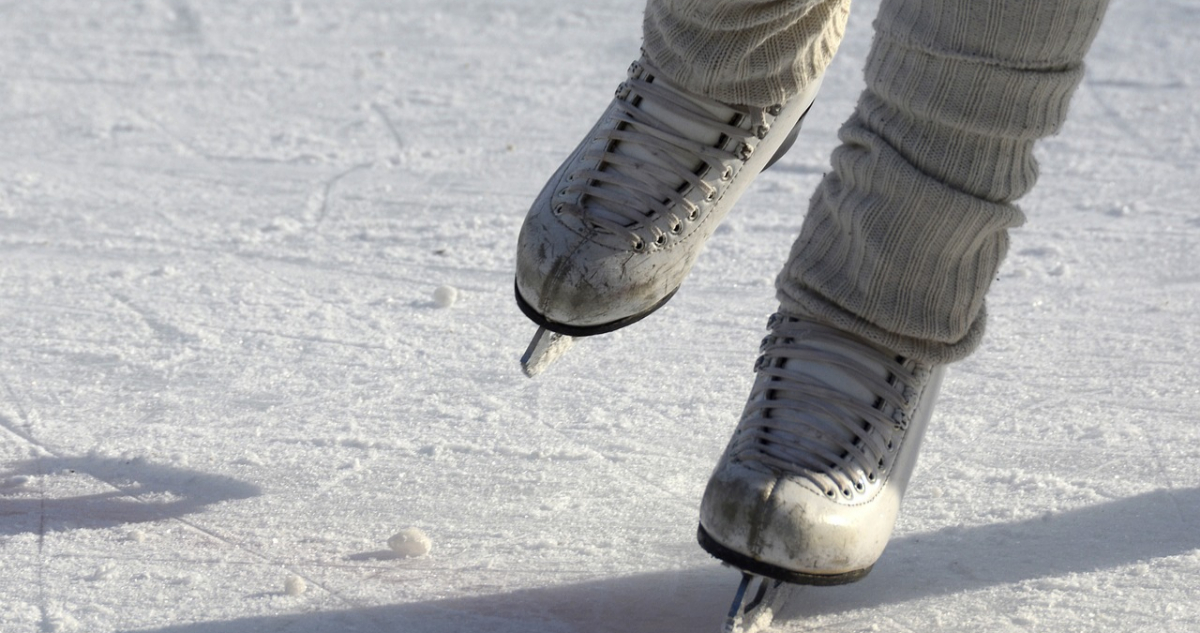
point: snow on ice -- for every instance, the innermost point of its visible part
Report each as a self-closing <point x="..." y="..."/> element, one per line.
<point x="445" y="296"/>
<point x="410" y="543"/>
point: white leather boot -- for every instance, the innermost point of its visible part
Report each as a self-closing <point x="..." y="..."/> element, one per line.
<point x="617" y="228"/>
<point x="809" y="487"/>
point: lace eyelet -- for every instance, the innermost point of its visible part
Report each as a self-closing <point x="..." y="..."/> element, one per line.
<point x="639" y="246"/>
<point x="693" y="214"/>
<point x="558" y="209"/>
<point x="676" y="228"/>
<point x="727" y="175"/>
<point x="660" y="239"/>
<point x="761" y="363"/>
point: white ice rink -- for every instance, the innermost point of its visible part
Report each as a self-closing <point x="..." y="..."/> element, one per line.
<point x="225" y="375"/>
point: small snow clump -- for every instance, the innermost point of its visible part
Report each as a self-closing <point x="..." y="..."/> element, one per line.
<point x="410" y="543"/>
<point x="294" y="586"/>
<point x="445" y="296"/>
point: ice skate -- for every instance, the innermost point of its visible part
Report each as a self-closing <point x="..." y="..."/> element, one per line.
<point x="617" y="228"/>
<point x="810" y="484"/>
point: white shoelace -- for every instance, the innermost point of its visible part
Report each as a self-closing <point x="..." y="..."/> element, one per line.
<point x="834" y="435"/>
<point x="650" y="165"/>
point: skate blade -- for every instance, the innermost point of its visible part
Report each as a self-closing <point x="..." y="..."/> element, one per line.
<point x="545" y="348"/>
<point x="754" y="605"/>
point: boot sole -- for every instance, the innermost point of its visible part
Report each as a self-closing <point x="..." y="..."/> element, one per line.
<point x="584" y="330"/>
<point x="745" y="563"/>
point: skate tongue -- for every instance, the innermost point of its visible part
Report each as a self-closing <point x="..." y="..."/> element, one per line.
<point x="835" y="376"/>
<point x="674" y="120"/>
<point x="671" y="115"/>
<point x="814" y="368"/>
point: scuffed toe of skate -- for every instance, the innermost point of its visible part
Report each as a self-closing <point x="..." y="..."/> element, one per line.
<point x="571" y="282"/>
<point x="788" y="529"/>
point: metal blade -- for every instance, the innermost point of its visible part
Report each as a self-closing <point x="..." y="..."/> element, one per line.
<point x="545" y="348"/>
<point x="754" y="605"/>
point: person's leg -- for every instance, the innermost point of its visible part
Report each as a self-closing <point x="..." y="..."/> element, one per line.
<point x="904" y="237"/>
<point x="886" y="283"/>
<point x="752" y="52"/>
<point x="721" y="86"/>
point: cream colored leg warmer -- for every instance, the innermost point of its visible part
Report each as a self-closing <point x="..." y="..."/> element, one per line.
<point x="903" y="238"/>
<point x="750" y="52"/>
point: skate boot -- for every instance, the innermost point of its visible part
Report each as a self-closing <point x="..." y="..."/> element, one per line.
<point x="617" y="228"/>
<point x="810" y="484"/>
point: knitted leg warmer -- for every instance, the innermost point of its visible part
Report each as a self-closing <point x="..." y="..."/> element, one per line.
<point x="749" y="52"/>
<point x="903" y="238"/>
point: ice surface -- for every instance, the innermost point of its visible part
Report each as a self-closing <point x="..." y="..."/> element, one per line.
<point x="221" y="226"/>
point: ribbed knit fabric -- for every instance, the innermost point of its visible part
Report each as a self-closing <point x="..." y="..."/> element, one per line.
<point x="903" y="238"/>
<point x="749" y="52"/>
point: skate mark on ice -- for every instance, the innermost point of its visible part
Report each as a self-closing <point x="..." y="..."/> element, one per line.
<point x="165" y="332"/>
<point x="387" y="122"/>
<point x="320" y="201"/>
